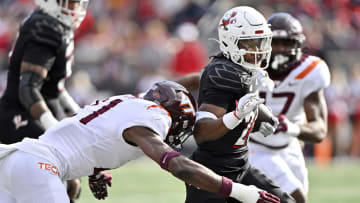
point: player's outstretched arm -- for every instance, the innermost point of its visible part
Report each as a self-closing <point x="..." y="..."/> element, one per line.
<point x="217" y="123"/>
<point x="190" y="171"/>
<point x="31" y="81"/>
<point x="68" y="103"/>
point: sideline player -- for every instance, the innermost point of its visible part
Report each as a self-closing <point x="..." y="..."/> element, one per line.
<point x="298" y="99"/>
<point x="41" y="59"/>
<point x="222" y="133"/>
<point x="106" y="135"/>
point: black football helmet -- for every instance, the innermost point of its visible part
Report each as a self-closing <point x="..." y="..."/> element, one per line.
<point x="181" y="105"/>
<point x="287" y="41"/>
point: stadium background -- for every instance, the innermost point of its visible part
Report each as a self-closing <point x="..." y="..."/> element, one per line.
<point x="125" y="45"/>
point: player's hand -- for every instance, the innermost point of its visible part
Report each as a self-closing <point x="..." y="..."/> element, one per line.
<point x="265" y="81"/>
<point x="98" y="184"/>
<point x="267" y="128"/>
<point x="287" y="127"/>
<point x="252" y="194"/>
<point x="247" y="104"/>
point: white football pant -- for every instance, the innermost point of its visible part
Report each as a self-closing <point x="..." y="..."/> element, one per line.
<point x="286" y="167"/>
<point x="30" y="179"/>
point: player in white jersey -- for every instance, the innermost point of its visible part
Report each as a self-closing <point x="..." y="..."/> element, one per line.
<point x="298" y="100"/>
<point x="106" y="135"/>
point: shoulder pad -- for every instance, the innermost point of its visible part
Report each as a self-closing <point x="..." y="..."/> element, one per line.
<point x="44" y="29"/>
<point x="230" y="77"/>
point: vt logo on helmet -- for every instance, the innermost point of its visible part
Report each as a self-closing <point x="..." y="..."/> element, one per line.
<point x="181" y="105"/>
<point x="245" y="37"/>
<point x="69" y="12"/>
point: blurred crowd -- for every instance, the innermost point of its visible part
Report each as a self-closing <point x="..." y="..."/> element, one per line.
<point x="123" y="46"/>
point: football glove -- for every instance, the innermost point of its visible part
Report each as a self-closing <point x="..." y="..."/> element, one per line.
<point x="247" y="104"/>
<point x="287" y="127"/>
<point x="98" y="184"/>
<point x="244" y="107"/>
<point x="265" y="81"/>
<point x="252" y="194"/>
<point x="267" y="128"/>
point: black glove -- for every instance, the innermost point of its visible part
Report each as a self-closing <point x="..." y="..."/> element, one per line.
<point x="98" y="184"/>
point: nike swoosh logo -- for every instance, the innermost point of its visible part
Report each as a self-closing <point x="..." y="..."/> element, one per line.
<point x="292" y="84"/>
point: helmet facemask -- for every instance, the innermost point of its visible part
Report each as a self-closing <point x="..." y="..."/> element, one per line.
<point x="252" y="53"/>
<point x="285" y="53"/>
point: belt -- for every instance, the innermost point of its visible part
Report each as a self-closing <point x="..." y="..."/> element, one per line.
<point x="268" y="146"/>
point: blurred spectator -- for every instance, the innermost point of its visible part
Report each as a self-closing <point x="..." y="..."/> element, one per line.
<point x="191" y="55"/>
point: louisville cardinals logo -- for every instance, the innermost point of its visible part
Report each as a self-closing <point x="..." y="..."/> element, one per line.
<point x="228" y="19"/>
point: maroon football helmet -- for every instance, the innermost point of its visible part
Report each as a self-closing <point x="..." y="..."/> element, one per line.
<point x="287" y="41"/>
<point x="181" y="105"/>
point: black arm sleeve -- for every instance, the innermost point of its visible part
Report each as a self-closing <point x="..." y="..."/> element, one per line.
<point x="29" y="88"/>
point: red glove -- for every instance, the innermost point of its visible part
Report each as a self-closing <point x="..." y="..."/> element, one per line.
<point x="98" y="184"/>
<point x="287" y="127"/>
<point x="266" y="197"/>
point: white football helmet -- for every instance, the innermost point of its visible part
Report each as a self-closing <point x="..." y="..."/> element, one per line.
<point x="60" y="10"/>
<point x="245" y="37"/>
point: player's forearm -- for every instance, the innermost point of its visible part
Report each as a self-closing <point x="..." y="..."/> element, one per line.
<point x="314" y="131"/>
<point x="195" y="174"/>
<point x="68" y="103"/>
<point x="208" y="129"/>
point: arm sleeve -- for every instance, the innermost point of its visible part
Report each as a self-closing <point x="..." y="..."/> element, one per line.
<point x="317" y="79"/>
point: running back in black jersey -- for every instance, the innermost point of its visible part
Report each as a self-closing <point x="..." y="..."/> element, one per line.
<point x="44" y="41"/>
<point x="222" y="84"/>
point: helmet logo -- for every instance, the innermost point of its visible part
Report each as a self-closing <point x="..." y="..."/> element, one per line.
<point x="186" y="105"/>
<point x="228" y="19"/>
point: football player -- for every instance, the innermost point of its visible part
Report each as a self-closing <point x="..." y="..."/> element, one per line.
<point x="106" y="135"/>
<point x="227" y="118"/>
<point x="41" y="59"/>
<point x="298" y="100"/>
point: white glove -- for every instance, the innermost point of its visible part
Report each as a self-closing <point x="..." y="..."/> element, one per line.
<point x="264" y="80"/>
<point x="287" y="127"/>
<point x="267" y="128"/>
<point x="252" y="194"/>
<point x="244" y="106"/>
<point x="47" y="120"/>
<point x="247" y="104"/>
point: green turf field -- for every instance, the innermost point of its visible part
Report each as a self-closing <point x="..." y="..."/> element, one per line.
<point x="144" y="182"/>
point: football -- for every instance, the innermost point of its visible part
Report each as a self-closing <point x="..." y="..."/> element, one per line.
<point x="264" y="115"/>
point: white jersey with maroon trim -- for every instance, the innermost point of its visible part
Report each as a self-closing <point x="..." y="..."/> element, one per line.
<point x="289" y="94"/>
<point x="92" y="139"/>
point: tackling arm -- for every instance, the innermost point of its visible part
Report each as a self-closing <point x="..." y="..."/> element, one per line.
<point x="192" y="172"/>
<point x="180" y="166"/>
<point x="315" y="129"/>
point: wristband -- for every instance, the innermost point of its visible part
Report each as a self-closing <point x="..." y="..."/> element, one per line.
<point x="230" y="120"/>
<point x="226" y="186"/>
<point x="166" y="157"/>
<point x="47" y="120"/>
<point x="293" y="129"/>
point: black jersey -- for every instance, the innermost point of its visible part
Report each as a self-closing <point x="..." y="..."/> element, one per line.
<point x="222" y="84"/>
<point x="42" y="40"/>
